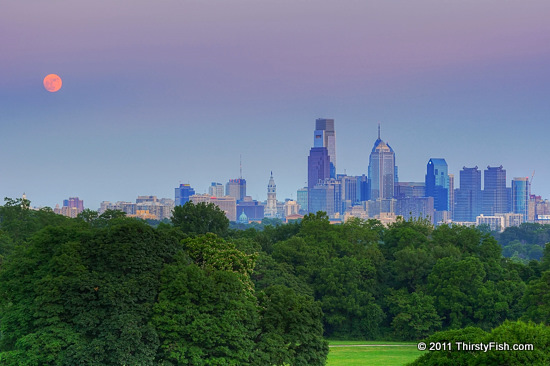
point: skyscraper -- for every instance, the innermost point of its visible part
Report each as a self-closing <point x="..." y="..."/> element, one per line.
<point x="271" y="207"/>
<point x="325" y="197"/>
<point x="495" y="196"/>
<point x="301" y="198"/>
<point x="183" y="192"/>
<point x="236" y="188"/>
<point x="216" y="189"/>
<point x="74" y="202"/>
<point x="318" y="166"/>
<point x="437" y="183"/>
<point x="325" y="136"/>
<point x="520" y="196"/>
<point x="382" y="170"/>
<point x="451" y="196"/>
<point x="468" y="196"/>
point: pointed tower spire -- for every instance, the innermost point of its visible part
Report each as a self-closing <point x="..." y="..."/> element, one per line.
<point x="378" y="130"/>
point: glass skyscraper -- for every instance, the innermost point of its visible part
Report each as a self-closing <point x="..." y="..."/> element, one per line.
<point x="520" y="196"/>
<point x="468" y="197"/>
<point x="325" y="136"/>
<point x="318" y="170"/>
<point x="495" y="195"/>
<point x="437" y="183"/>
<point x="382" y="170"/>
<point x="183" y="192"/>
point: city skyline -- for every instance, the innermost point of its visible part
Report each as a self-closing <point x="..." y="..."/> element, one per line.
<point x="174" y="93"/>
<point x="240" y="192"/>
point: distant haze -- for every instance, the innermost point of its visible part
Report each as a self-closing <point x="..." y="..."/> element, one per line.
<point x="158" y="93"/>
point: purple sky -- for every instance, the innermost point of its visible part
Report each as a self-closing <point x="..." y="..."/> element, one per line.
<point x="158" y="93"/>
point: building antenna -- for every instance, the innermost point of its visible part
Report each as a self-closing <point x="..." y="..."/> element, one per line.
<point x="241" y="166"/>
<point x="378" y="130"/>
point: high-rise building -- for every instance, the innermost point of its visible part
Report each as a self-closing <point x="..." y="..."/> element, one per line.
<point x="437" y="183"/>
<point x="271" y="207"/>
<point x="183" y="192"/>
<point x="216" y="189"/>
<point x="301" y="198"/>
<point x="382" y="170"/>
<point x="322" y="197"/>
<point x="236" y="188"/>
<point x="410" y="189"/>
<point x="520" y="196"/>
<point x="349" y="188"/>
<point x="363" y="189"/>
<point x="71" y="207"/>
<point x="227" y="204"/>
<point x="325" y="136"/>
<point x="495" y="196"/>
<point x="415" y="207"/>
<point x="74" y="202"/>
<point x="318" y="171"/>
<point x="291" y="208"/>
<point x="318" y="166"/>
<point x="451" y="196"/>
<point x="468" y="196"/>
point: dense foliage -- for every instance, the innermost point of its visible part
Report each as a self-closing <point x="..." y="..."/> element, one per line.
<point x="498" y="346"/>
<point x="110" y="290"/>
<point x="525" y="242"/>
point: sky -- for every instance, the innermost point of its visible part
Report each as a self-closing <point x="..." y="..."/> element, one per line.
<point x="161" y="93"/>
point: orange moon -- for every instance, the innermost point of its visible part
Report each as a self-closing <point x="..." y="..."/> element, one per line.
<point x="52" y="83"/>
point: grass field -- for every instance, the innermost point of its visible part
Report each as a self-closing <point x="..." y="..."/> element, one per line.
<point x="379" y="355"/>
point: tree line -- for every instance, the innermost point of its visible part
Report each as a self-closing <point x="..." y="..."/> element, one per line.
<point x="110" y="290"/>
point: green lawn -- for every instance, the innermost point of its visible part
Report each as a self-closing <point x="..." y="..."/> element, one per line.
<point x="380" y="355"/>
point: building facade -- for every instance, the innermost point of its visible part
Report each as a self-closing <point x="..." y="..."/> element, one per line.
<point x="236" y="188"/>
<point x="183" y="192"/>
<point x="227" y="204"/>
<point x="468" y="196"/>
<point x="520" y="197"/>
<point x="382" y="172"/>
<point x="495" y="195"/>
<point x="325" y="136"/>
<point x="216" y="189"/>
<point x="437" y="183"/>
<point x="271" y="207"/>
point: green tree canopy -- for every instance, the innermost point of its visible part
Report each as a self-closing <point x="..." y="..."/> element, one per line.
<point x="200" y="219"/>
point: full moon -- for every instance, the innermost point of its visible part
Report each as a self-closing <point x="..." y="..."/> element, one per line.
<point x="52" y="83"/>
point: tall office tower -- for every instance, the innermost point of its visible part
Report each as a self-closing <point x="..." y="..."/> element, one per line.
<point x="325" y="197"/>
<point x="437" y="183"/>
<point x="363" y="189"/>
<point x="301" y="198"/>
<point x="451" y="196"/>
<point x="324" y="136"/>
<point x="349" y="188"/>
<point x="271" y="207"/>
<point x="520" y="196"/>
<point x="468" y="196"/>
<point x="382" y="170"/>
<point x="216" y="189"/>
<point x="236" y="188"/>
<point x="318" y="168"/>
<point x="495" y="196"/>
<point x="183" y="192"/>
